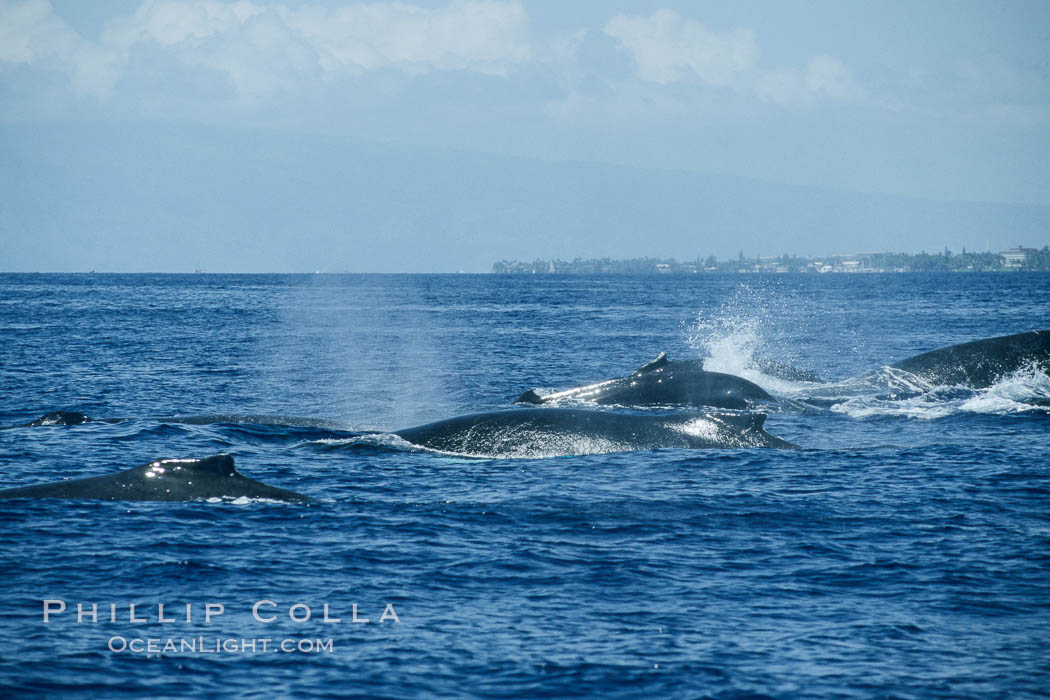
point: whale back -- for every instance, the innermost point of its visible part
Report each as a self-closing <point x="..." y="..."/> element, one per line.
<point x="549" y="432"/>
<point x="662" y="381"/>
<point x="981" y="363"/>
<point x="59" y="418"/>
<point x="684" y="382"/>
<point x="162" y="480"/>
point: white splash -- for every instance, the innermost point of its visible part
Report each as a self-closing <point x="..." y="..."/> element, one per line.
<point x="1024" y="390"/>
<point x="242" y="500"/>
<point x="370" y="439"/>
<point x="919" y="407"/>
<point x="1027" y="389"/>
<point x="731" y="339"/>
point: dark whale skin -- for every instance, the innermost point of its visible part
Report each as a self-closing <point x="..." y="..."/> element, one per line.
<point x="545" y="432"/>
<point x="162" y="480"/>
<point x="664" y="382"/>
<point x="981" y="363"/>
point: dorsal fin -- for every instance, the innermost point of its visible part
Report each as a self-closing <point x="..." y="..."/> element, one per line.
<point x="529" y="396"/>
<point x="656" y="363"/>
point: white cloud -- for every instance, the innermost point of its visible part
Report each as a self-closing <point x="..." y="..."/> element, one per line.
<point x="31" y="34"/>
<point x="486" y="37"/>
<point x="667" y="48"/>
<point x="823" y="77"/>
<point x="266" y="48"/>
<point x="172" y="23"/>
<point x="829" y="76"/>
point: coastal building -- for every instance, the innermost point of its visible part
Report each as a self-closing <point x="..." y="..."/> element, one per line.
<point x="1017" y="257"/>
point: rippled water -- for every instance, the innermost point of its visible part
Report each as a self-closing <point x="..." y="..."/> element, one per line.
<point x="904" y="551"/>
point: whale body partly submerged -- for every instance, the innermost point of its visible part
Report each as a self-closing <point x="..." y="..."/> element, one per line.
<point x="516" y="432"/>
<point x="548" y="432"/>
<point x="664" y="382"/>
<point x="58" y="418"/>
<point x="162" y="480"/>
<point x="981" y="363"/>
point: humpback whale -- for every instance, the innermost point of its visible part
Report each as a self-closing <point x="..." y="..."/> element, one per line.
<point x="76" y="418"/>
<point x="162" y="480"/>
<point x="58" y="418"/>
<point x="517" y="432"/>
<point x="662" y="381"/>
<point x="981" y="363"/>
<point x="550" y="432"/>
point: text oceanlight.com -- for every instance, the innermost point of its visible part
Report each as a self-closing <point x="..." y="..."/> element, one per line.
<point x="218" y="645"/>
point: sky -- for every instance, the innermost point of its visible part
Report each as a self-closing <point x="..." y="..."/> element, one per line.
<point x="109" y="111"/>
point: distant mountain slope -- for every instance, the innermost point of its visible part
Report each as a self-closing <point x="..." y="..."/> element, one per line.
<point x="174" y="198"/>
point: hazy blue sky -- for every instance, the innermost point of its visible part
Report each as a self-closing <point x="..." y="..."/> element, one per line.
<point x="926" y="100"/>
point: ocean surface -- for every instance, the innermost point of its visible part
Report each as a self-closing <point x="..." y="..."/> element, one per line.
<point x="904" y="551"/>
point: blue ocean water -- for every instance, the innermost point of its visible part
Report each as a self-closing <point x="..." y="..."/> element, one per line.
<point x="903" y="552"/>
